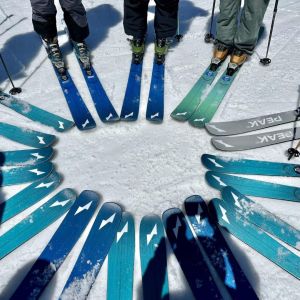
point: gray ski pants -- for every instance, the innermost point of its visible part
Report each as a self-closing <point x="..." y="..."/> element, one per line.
<point x="44" y="22"/>
<point x="245" y="34"/>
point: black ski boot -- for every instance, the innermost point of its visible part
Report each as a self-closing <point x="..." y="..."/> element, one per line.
<point x="83" y="55"/>
<point x="220" y="53"/>
<point x="161" y="49"/>
<point x="138" y="49"/>
<point x="55" y="56"/>
<point x="238" y="57"/>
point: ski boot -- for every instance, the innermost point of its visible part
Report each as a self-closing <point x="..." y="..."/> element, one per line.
<point x="55" y="56"/>
<point x="83" y="55"/>
<point x="238" y="57"/>
<point x="138" y="49"/>
<point x="161" y="49"/>
<point x="220" y="53"/>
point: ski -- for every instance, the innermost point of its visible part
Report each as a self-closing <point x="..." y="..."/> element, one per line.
<point x="191" y="101"/>
<point x="210" y="104"/>
<point x="255" y="237"/>
<point x="35" y="113"/>
<point x="28" y="196"/>
<point x="253" y="141"/>
<point x="93" y="253"/>
<point x="58" y="247"/>
<point x="259" y="216"/>
<point x="37" y="221"/>
<point x="252" y="124"/>
<point x="131" y="102"/>
<point x="153" y="258"/>
<point x="189" y="256"/>
<point x="250" y="167"/>
<point x="217" y="250"/>
<point x="28" y="137"/>
<point x="253" y="187"/>
<point x="25" y="174"/>
<point x="155" y="106"/>
<point x="121" y="261"/>
<point x="25" y="157"/>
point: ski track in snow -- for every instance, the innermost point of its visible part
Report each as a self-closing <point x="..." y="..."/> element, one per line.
<point x="148" y="167"/>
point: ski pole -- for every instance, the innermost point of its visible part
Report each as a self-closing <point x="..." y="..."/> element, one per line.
<point x="14" y="90"/>
<point x="209" y="37"/>
<point x="266" y="60"/>
<point x="178" y="35"/>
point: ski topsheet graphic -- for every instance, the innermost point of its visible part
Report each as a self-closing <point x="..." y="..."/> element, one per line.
<point x="35" y="113"/>
<point x="217" y="250"/>
<point x="58" y="247"/>
<point x="247" y="166"/>
<point x="153" y="258"/>
<point x="28" y="137"/>
<point x="36" y="221"/>
<point x="93" y="253"/>
<point x="121" y="261"/>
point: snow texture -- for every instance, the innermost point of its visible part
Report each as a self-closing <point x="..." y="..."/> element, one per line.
<point x="147" y="167"/>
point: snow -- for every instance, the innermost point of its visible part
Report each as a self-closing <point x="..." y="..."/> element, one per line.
<point x="148" y="168"/>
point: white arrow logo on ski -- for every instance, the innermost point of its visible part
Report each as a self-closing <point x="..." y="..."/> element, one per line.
<point x="122" y="232"/>
<point x="215" y="163"/>
<point x="85" y="123"/>
<point x="109" y="117"/>
<point x="41" y="140"/>
<point x="129" y="115"/>
<point x="236" y="200"/>
<point x="198" y="215"/>
<point x="181" y="114"/>
<point x="59" y="203"/>
<point x="223" y="143"/>
<point x="176" y="229"/>
<point x="151" y="234"/>
<point x="37" y="172"/>
<point x="37" y="155"/>
<point x="224" y="216"/>
<point x="61" y="125"/>
<point x="215" y="128"/>
<point x="154" y="116"/>
<point x="219" y="180"/>
<point x="199" y="120"/>
<point x="82" y="208"/>
<point x="46" y="185"/>
<point x="107" y="221"/>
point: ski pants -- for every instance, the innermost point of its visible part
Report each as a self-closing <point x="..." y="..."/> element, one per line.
<point x="245" y="34"/>
<point x="165" y="21"/>
<point x="44" y="18"/>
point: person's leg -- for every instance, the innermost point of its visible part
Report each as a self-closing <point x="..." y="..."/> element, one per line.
<point x="43" y="18"/>
<point x="251" y="20"/>
<point x="75" y="18"/>
<point x="135" y="18"/>
<point x="166" y="18"/>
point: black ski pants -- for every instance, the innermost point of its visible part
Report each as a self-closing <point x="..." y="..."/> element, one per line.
<point x="165" y="21"/>
<point x="44" y="18"/>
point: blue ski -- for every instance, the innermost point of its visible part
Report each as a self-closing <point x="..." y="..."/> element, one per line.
<point x="35" y="113"/>
<point x="255" y="237"/>
<point x="217" y="250"/>
<point x="36" y="221"/>
<point x="93" y="253"/>
<point x="121" y="261"/>
<point x="189" y="256"/>
<point x="256" y="214"/>
<point x="58" y="247"/>
<point x="250" y="167"/>
<point x="25" y="174"/>
<point x="28" y="196"/>
<point x="26" y="136"/>
<point x="25" y="157"/>
<point x="131" y="103"/>
<point x="153" y="258"/>
<point x="155" y="106"/>
<point x="253" y="187"/>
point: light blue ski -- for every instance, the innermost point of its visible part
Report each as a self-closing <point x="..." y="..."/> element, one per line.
<point x="35" y="113"/>
<point x="121" y="261"/>
<point x="256" y="214"/>
<point x="28" y="196"/>
<point x="25" y="157"/>
<point x="253" y="187"/>
<point x="255" y="237"/>
<point x="93" y="253"/>
<point x="58" y="247"/>
<point x="36" y="221"/>
<point x="28" y="137"/>
<point x="153" y="258"/>
<point x="247" y="166"/>
<point x="25" y="174"/>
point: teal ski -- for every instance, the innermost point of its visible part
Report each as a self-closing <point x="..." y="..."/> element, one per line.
<point x="121" y="261"/>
